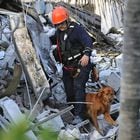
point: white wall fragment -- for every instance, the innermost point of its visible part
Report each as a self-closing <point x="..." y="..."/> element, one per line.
<point x="69" y="134"/>
<point x="119" y="61"/>
<point x="114" y="81"/>
<point x="55" y="124"/>
<point x="109" y="136"/>
<point x="2" y="54"/>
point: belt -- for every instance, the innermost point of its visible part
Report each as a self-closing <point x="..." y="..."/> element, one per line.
<point x="74" y="72"/>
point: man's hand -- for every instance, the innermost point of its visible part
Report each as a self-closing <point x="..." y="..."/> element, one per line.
<point x="84" y="60"/>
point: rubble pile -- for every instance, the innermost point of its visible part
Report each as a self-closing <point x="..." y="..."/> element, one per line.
<point x="26" y="58"/>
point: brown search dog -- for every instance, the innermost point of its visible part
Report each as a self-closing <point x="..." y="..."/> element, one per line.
<point x="100" y="103"/>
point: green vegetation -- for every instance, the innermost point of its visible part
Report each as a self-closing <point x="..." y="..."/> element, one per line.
<point x="17" y="132"/>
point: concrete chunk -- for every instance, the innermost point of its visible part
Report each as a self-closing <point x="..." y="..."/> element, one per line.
<point x="13" y="114"/>
<point x="55" y="124"/>
<point x="29" y="60"/>
<point x="114" y="81"/>
<point x="119" y="61"/>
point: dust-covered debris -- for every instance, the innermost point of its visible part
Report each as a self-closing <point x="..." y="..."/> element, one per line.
<point x="25" y="50"/>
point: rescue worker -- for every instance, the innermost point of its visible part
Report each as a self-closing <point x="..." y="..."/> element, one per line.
<point x="73" y="50"/>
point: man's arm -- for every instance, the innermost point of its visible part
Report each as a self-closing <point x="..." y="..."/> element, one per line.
<point x="86" y="41"/>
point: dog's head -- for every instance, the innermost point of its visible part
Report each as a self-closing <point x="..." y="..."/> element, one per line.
<point x="106" y="94"/>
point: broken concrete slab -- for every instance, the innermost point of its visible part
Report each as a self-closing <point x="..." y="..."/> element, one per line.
<point x="119" y="61"/>
<point x="114" y="81"/>
<point x="69" y="134"/>
<point x="56" y="124"/>
<point x="2" y="54"/>
<point x="12" y="85"/>
<point x="28" y="58"/>
<point x="110" y="135"/>
<point x="13" y="114"/>
<point x="9" y="57"/>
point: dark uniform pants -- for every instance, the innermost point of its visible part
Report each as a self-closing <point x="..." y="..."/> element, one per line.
<point x="75" y="88"/>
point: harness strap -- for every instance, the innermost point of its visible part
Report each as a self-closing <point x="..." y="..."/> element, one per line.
<point x="75" y="56"/>
<point x="59" y="51"/>
<point x="69" y="68"/>
<point x="60" y="57"/>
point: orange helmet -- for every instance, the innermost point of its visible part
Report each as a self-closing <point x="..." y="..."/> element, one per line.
<point x="59" y="14"/>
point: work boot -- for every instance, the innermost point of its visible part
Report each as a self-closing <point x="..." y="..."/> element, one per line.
<point x="77" y="120"/>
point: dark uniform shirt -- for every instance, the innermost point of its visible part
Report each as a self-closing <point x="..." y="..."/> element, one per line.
<point x="77" y="37"/>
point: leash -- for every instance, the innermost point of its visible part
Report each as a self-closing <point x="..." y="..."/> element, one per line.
<point x="79" y="103"/>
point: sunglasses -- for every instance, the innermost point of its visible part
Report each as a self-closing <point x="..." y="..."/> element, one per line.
<point x="60" y="24"/>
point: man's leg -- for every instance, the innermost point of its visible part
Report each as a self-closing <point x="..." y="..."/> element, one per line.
<point x="68" y="84"/>
<point x="79" y="90"/>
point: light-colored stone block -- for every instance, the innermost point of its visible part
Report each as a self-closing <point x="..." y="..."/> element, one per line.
<point x="114" y="81"/>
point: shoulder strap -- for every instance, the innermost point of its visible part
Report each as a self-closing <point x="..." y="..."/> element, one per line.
<point x="71" y="27"/>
